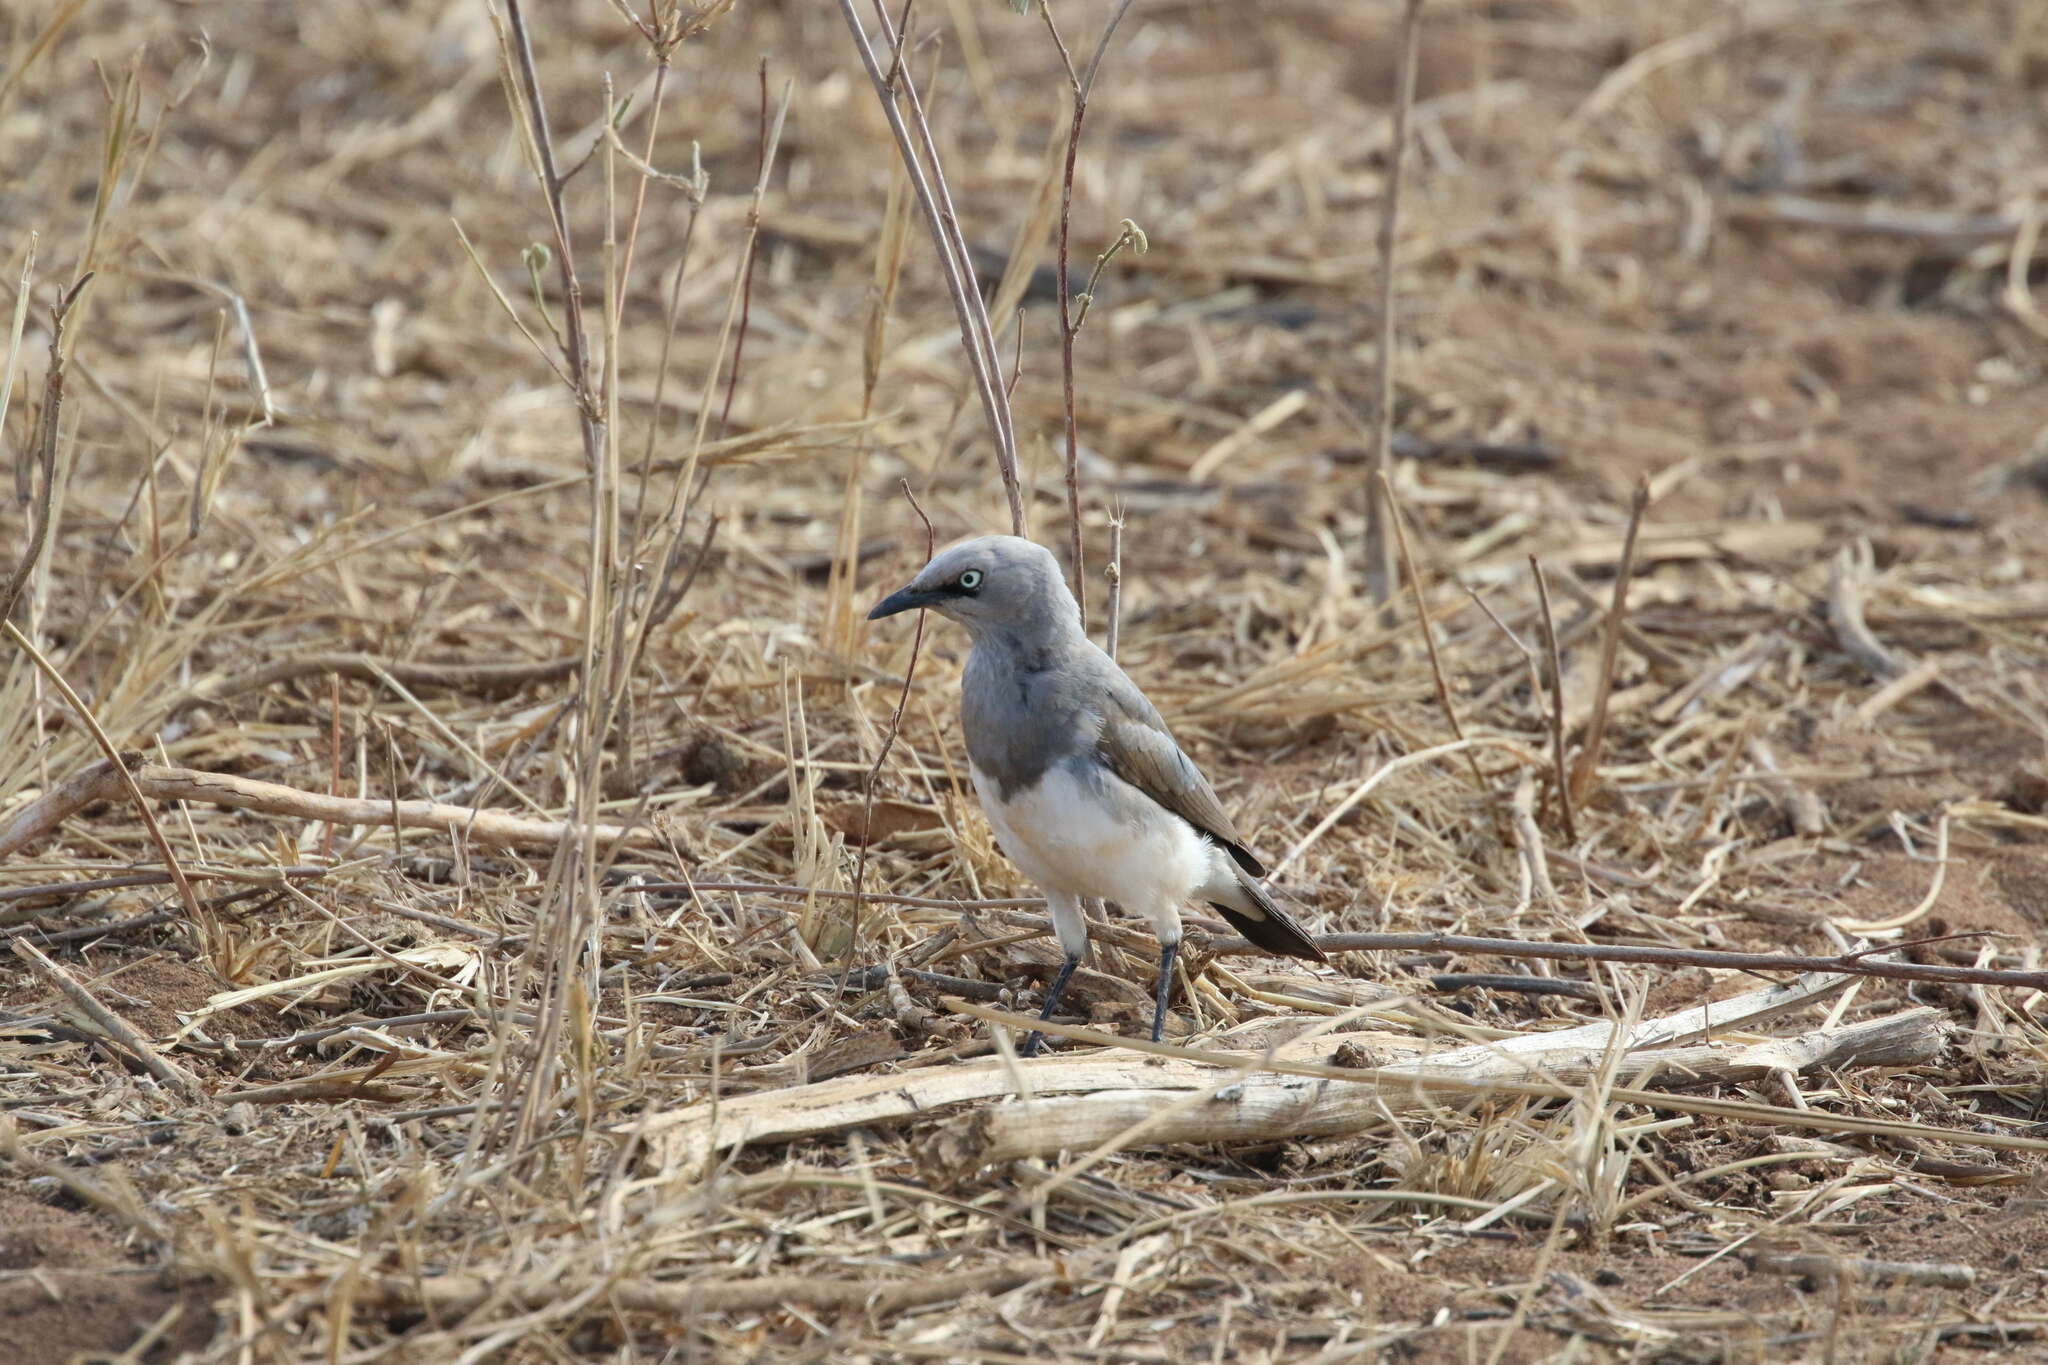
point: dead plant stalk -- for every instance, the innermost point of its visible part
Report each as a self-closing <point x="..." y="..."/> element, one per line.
<point x="867" y="832"/>
<point x="1080" y="86"/>
<point x="1379" y="548"/>
<point x="927" y="176"/>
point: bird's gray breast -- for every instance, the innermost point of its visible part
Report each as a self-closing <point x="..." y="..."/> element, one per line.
<point x="1023" y="711"/>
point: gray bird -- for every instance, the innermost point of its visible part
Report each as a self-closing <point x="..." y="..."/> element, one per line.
<point x="1085" y="787"/>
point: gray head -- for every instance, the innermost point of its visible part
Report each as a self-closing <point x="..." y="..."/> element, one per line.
<point x="992" y="585"/>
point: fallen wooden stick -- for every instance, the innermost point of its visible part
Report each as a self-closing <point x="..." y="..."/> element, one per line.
<point x="1956" y="232"/>
<point x="1264" y="1107"/>
<point x="1848" y="575"/>
<point x="1827" y="1269"/>
<point x="683" y="1142"/>
<point x="102" y="782"/>
<point x="454" y="1295"/>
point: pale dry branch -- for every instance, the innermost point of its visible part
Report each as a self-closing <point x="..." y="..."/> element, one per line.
<point x="1079" y="1102"/>
<point x="1265" y="1108"/>
<point x="1862" y="1270"/>
<point x="683" y="1141"/>
<point x="104" y="782"/>
<point x="458" y="1294"/>
<point x="1849" y="575"/>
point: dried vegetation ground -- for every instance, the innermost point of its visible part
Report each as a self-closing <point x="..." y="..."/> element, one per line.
<point x="473" y="1091"/>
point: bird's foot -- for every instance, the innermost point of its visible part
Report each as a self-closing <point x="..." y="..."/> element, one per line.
<point x="1167" y="954"/>
<point x="1034" y="1041"/>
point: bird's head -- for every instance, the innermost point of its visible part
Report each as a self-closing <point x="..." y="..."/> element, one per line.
<point x="990" y="584"/>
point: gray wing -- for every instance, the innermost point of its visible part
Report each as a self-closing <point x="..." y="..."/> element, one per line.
<point x="1137" y="746"/>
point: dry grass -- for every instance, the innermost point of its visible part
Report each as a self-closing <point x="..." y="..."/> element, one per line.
<point x="328" y="517"/>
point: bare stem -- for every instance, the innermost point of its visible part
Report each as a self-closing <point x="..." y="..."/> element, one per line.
<point x="753" y="249"/>
<point x="573" y="341"/>
<point x="867" y="832"/>
<point x="1116" y="581"/>
<point x="118" y="763"/>
<point x="1379" y="548"/>
<point x="1436" y="664"/>
<point x="44" y="446"/>
<point x="936" y="201"/>
<point x="1069" y="325"/>
<point x="646" y="172"/>
<point x="1610" y="647"/>
<point x="1556" y="670"/>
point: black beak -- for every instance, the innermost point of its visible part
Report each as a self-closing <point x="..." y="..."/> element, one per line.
<point x="903" y="599"/>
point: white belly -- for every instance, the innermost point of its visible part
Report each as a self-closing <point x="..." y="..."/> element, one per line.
<point x="1106" y="839"/>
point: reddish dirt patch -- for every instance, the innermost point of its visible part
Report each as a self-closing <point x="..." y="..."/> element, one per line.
<point x="67" y="1288"/>
<point x="155" y="992"/>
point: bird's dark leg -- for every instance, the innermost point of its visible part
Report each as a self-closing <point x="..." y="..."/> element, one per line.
<point x="1167" y="955"/>
<point x="1034" y="1040"/>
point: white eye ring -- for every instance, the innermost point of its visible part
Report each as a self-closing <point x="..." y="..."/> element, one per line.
<point x="970" y="579"/>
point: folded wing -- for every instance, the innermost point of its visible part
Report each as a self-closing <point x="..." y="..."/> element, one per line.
<point x="1138" y="748"/>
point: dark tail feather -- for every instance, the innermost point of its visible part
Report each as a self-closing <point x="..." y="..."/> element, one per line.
<point x="1276" y="931"/>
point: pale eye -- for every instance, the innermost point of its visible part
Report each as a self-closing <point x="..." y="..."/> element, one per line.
<point x="970" y="579"/>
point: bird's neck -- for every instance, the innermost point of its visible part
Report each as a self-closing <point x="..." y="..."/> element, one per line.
<point x="1032" y="649"/>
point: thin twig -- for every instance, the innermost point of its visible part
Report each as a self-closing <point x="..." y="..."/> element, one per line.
<point x="1229" y="945"/>
<point x="1379" y="549"/>
<point x="95" y="932"/>
<point x="44" y="448"/>
<point x="901" y="48"/>
<point x="118" y="765"/>
<point x="572" y="941"/>
<point x="574" y="344"/>
<point x="1566" y="813"/>
<point x="1848" y="964"/>
<point x="1436" y="663"/>
<point x="695" y="187"/>
<point x="24" y="289"/>
<point x="148" y="782"/>
<point x="452" y="1296"/>
<point x="1129" y="234"/>
<point x="1079" y="88"/>
<point x="258" y="877"/>
<point x="935" y="199"/>
<point x="1116" y="580"/>
<point x="808" y="892"/>
<point x="661" y="41"/>
<point x="753" y="251"/>
<point x="867" y="841"/>
<point x="1610" y="647"/>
